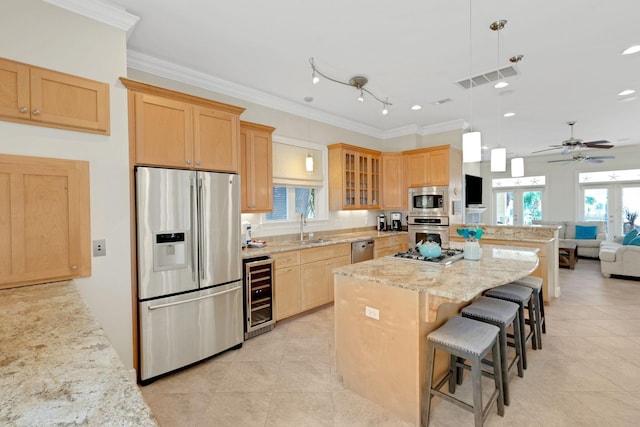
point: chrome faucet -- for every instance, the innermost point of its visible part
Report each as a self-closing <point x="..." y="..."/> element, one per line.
<point x="303" y="222"/>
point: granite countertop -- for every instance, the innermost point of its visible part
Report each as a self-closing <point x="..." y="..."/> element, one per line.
<point x="57" y="367"/>
<point x="523" y="233"/>
<point x="460" y="281"/>
<point x="326" y="240"/>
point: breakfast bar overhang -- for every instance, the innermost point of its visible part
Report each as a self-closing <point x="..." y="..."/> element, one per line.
<point x="384" y="309"/>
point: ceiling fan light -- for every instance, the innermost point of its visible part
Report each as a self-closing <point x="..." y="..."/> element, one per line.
<point x="498" y="160"/>
<point x="631" y="50"/>
<point x="517" y="167"/>
<point x="471" y="147"/>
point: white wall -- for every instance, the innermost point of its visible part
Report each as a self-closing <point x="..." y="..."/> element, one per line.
<point x="40" y="34"/>
<point x="562" y="191"/>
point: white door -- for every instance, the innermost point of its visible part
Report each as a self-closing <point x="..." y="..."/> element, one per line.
<point x="518" y="206"/>
<point x="613" y="203"/>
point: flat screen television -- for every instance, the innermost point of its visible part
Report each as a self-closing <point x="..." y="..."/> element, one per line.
<point x="473" y="190"/>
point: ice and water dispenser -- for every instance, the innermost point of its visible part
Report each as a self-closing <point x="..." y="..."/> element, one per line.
<point x="169" y="251"/>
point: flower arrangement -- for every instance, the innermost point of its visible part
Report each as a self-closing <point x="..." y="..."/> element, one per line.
<point x="471" y="234"/>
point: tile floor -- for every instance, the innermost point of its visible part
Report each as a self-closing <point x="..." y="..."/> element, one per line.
<point x="587" y="374"/>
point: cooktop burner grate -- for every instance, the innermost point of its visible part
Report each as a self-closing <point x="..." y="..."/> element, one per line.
<point x="447" y="256"/>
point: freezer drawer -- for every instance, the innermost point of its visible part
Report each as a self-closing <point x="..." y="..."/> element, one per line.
<point x="180" y="330"/>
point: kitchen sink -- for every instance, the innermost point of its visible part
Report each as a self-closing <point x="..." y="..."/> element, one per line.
<point x="315" y="241"/>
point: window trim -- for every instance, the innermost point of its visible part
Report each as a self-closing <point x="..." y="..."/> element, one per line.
<point x="322" y="193"/>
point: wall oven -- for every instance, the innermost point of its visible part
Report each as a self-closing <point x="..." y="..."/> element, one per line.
<point x="428" y="228"/>
<point x="429" y="200"/>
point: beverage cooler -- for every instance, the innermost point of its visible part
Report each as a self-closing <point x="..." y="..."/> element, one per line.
<point x="258" y="296"/>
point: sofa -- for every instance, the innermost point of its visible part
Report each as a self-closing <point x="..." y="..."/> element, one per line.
<point x="616" y="258"/>
<point x="585" y="247"/>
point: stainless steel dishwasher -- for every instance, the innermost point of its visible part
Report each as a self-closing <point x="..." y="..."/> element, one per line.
<point x="361" y="251"/>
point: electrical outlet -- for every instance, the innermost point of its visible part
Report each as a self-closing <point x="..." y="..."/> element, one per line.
<point x="99" y="247"/>
<point x="373" y="313"/>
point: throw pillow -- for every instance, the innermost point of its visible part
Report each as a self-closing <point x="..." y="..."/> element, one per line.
<point x="629" y="236"/>
<point x="584" y="232"/>
<point x="635" y="241"/>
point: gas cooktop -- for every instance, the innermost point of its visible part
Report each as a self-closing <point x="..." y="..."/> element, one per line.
<point x="447" y="256"/>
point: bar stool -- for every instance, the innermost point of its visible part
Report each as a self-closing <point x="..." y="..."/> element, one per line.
<point x="535" y="283"/>
<point x="501" y="314"/>
<point x="470" y="340"/>
<point x="522" y="296"/>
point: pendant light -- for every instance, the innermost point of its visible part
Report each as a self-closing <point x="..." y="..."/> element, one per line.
<point x="471" y="141"/>
<point x="517" y="167"/>
<point x="498" y="155"/>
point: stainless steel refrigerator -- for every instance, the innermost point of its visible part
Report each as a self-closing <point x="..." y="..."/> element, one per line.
<point x="189" y="267"/>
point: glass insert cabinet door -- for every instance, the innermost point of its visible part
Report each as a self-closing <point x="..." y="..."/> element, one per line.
<point x="517" y="206"/>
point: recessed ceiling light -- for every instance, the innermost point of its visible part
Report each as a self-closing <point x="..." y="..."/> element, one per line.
<point x="501" y="85"/>
<point x="630" y="50"/>
<point x="416" y="107"/>
<point x="627" y="92"/>
<point x="509" y="114"/>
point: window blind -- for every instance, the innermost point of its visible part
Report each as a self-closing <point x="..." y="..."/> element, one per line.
<point x="289" y="166"/>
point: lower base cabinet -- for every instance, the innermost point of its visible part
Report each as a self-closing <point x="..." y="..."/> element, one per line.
<point x="390" y="245"/>
<point x="304" y="279"/>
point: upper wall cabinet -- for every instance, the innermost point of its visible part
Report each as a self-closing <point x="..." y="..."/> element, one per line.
<point x="354" y="177"/>
<point x="44" y="220"/>
<point x="256" y="167"/>
<point x="427" y="166"/>
<point x="394" y="192"/>
<point x="37" y="96"/>
<point x="173" y="129"/>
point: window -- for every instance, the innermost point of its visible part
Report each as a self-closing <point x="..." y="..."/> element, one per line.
<point x="289" y="202"/>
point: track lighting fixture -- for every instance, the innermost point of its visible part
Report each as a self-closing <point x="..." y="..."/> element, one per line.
<point x="357" y="81"/>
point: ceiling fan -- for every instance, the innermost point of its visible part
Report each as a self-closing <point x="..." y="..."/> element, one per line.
<point x="579" y="157"/>
<point x="573" y="143"/>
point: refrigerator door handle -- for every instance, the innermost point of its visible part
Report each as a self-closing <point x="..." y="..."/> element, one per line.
<point x="194" y="243"/>
<point x="201" y="204"/>
<point x="155" y="307"/>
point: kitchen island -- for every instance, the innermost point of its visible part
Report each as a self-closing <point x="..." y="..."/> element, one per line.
<point x="385" y="308"/>
<point x="57" y="367"/>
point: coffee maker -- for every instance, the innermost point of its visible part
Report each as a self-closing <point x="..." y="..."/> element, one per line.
<point x="396" y="221"/>
<point x="382" y="222"/>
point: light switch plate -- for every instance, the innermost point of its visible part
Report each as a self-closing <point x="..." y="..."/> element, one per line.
<point x="99" y="247"/>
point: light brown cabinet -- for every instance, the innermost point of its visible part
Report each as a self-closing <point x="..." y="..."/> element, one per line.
<point x="304" y="279"/>
<point x="287" y="294"/>
<point x="394" y="190"/>
<point x="316" y="265"/>
<point x="256" y="167"/>
<point x="173" y="129"/>
<point x="44" y="220"/>
<point x="354" y="177"/>
<point x="390" y="245"/>
<point x="37" y="96"/>
<point x="427" y="166"/>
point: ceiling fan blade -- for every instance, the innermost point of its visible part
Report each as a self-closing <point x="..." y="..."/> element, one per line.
<point x="593" y="160"/>
<point x="590" y="145"/>
<point x="548" y="149"/>
<point x="602" y="141"/>
<point x="557" y="161"/>
<point x="602" y="157"/>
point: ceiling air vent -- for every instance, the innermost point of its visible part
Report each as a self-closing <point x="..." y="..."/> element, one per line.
<point x="488" y="77"/>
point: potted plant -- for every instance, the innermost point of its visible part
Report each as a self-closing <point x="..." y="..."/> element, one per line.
<point x="630" y="218"/>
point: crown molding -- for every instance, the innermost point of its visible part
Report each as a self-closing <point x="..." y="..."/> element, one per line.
<point x="169" y="70"/>
<point x="100" y="11"/>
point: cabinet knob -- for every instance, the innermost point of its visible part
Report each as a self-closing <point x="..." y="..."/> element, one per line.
<point x="74" y="268"/>
<point x="188" y="162"/>
<point x="23" y="109"/>
<point x="36" y="112"/>
<point x="198" y="162"/>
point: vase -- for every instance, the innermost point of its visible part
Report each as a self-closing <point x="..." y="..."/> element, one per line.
<point x="472" y="250"/>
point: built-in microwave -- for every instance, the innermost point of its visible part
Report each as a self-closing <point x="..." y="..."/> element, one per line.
<point x="429" y="200"/>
